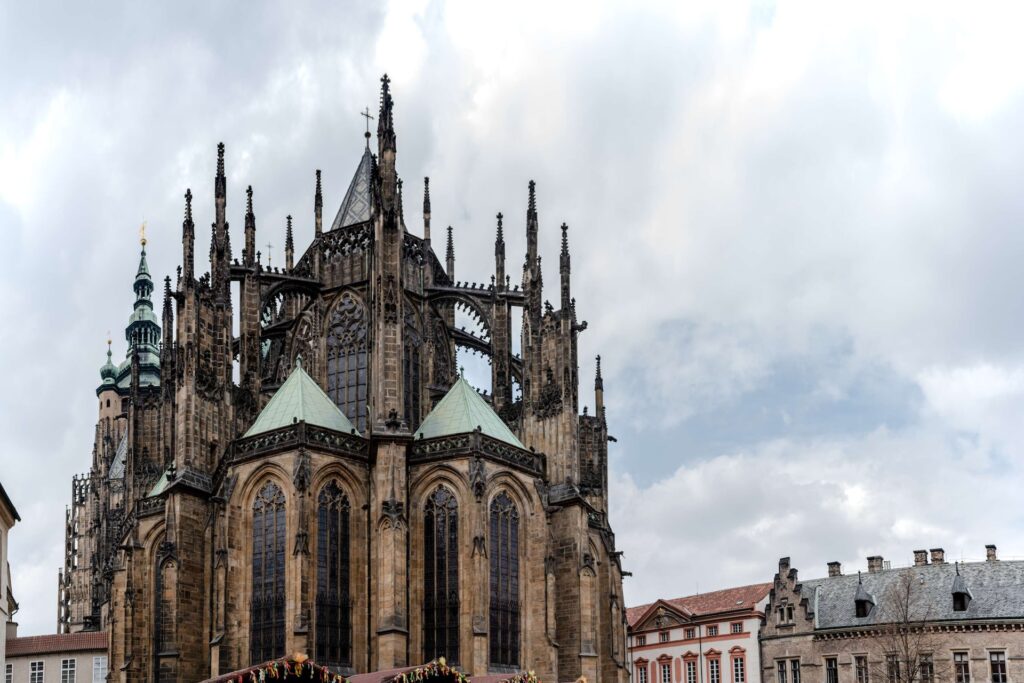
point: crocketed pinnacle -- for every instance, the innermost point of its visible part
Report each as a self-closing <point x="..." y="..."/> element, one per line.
<point x="531" y="209"/>
<point x="248" y="201"/>
<point x="188" y="206"/>
<point x="426" y="196"/>
<point x="500" y="238"/>
<point x="289" y="241"/>
<point x="450" y="251"/>
<point x="318" y="197"/>
<point x="598" y="380"/>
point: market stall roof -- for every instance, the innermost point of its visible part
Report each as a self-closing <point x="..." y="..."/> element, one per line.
<point x="300" y="668"/>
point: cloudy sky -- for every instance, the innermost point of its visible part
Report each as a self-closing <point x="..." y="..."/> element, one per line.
<point x="795" y="227"/>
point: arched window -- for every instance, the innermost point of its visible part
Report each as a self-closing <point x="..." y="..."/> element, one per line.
<point x="333" y="606"/>
<point x="266" y="633"/>
<point x="504" y="557"/>
<point x="411" y="371"/>
<point x="441" y="576"/>
<point x="347" y="359"/>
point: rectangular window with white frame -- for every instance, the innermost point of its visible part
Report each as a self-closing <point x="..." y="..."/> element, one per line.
<point x="713" y="630"/>
<point x="739" y="670"/>
<point x="860" y="665"/>
<point x="997" y="663"/>
<point x="714" y="671"/>
<point x="690" y="633"/>
<point x="737" y="627"/>
<point x="831" y="670"/>
<point x="663" y="637"/>
<point x="781" y="671"/>
<point x="641" y="641"/>
<point x="67" y="671"/>
<point x="35" y="672"/>
<point x="9" y="674"/>
<point x="795" y="670"/>
<point x="641" y="673"/>
<point x="666" y="672"/>
<point x="99" y="669"/>
<point x="961" y="667"/>
<point x="691" y="671"/>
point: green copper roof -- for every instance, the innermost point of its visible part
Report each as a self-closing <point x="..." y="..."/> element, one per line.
<point x="159" y="486"/>
<point x="463" y="410"/>
<point x="300" y="398"/>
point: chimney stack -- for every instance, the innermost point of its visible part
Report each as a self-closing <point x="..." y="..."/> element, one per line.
<point x="938" y="556"/>
<point x="835" y="569"/>
<point x="874" y="564"/>
<point x="990" y="553"/>
<point x="783" y="566"/>
<point x="920" y="558"/>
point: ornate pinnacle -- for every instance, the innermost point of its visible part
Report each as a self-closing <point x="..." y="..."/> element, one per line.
<point x="289" y="243"/>
<point x="167" y="288"/>
<point x="532" y="207"/>
<point x="426" y="196"/>
<point x="598" y="380"/>
<point x="220" y="159"/>
<point x="188" y="205"/>
<point x="450" y="252"/>
<point x="501" y="233"/>
<point x="248" y="201"/>
<point x="318" y="198"/>
<point x="565" y="239"/>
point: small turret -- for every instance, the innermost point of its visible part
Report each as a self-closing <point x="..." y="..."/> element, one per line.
<point x="108" y="372"/>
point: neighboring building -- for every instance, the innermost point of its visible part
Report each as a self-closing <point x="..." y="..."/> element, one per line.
<point x="8" y="606"/>
<point x="932" y="621"/>
<point x="63" y="658"/>
<point x="322" y="480"/>
<point x="706" y="638"/>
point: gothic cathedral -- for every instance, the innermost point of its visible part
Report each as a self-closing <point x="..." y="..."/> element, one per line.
<point x="326" y="481"/>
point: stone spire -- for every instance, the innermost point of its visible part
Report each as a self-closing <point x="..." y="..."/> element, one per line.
<point x="450" y="256"/>
<point x="426" y="209"/>
<point x="563" y="269"/>
<point x="387" y="147"/>
<point x="289" y="246"/>
<point x="143" y="331"/>
<point x="249" y="255"/>
<point x="318" y="207"/>
<point x="598" y="391"/>
<point x="188" y="240"/>
<point x="499" y="256"/>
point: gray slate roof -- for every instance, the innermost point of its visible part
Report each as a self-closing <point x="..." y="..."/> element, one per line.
<point x="355" y="207"/>
<point x="117" y="464"/>
<point x="997" y="588"/>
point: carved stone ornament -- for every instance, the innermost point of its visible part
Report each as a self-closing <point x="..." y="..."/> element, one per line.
<point x="393" y="422"/>
<point x="394" y="511"/>
<point x="588" y="562"/>
<point x="549" y="403"/>
<point x="477" y="477"/>
<point x="302" y="471"/>
<point x="206" y="378"/>
<point x="301" y="542"/>
<point x="389" y="298"/>
<point x="479" y="546"/>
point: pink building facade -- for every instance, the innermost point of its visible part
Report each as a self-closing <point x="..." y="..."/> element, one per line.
<point x="707" y="638"/>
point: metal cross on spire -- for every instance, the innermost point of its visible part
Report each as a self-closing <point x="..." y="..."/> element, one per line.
<point x="269" y="247"/>
<point x="366" y="115"/>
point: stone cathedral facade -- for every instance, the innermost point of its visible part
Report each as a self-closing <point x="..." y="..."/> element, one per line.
<point x="322" y="479"/>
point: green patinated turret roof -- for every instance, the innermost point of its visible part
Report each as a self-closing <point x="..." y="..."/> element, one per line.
<point x="463" y="410"/>
<point x="300" y="398"/>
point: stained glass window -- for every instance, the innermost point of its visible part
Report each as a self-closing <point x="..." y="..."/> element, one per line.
<point x="266" y="634"/>
<point x="347" y="359"/>
<point x="333" y="605"/>
<point x="504" y="557"/>
<point x="441" y="576"/>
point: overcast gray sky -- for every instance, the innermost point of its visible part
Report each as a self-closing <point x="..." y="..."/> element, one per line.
<point x="795" y="228"/>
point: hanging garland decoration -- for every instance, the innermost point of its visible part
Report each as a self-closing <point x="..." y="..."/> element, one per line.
<point x="437" y="669"/>
<point x="527" y="677"/>
<point x="293" y="668"/>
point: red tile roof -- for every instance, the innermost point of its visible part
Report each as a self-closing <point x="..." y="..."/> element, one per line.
<point x="56" y="642"/>
<point x="730" y="599"/>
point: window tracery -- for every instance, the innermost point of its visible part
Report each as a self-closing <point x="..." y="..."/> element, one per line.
<point x="347" y="359"/>
<point x="441" y="576"/>
<point x="504" y="603"/>
<point x="333" y="603"/>
<point x="266" y="634"/>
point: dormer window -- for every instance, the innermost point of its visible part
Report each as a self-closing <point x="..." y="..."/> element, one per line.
<point x="863" y="601"/>
<point x="961" y="593"/>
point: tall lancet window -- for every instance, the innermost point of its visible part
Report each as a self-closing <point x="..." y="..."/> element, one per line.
<point x="411" y="371"/>
<point x="504" y="557"/>
<point x="333" y="606"/>
<point x="441" y="576"/>
<point x="266" y="632"/>
<point x="347" y="359"/>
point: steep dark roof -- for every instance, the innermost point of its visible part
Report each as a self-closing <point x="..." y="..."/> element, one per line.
<point x="730" y="599"/>
<point x="8" y="503"/>
<point x="55" y="643"/>
<point x="997" y="589"/>
<point x="355" y="207"/>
